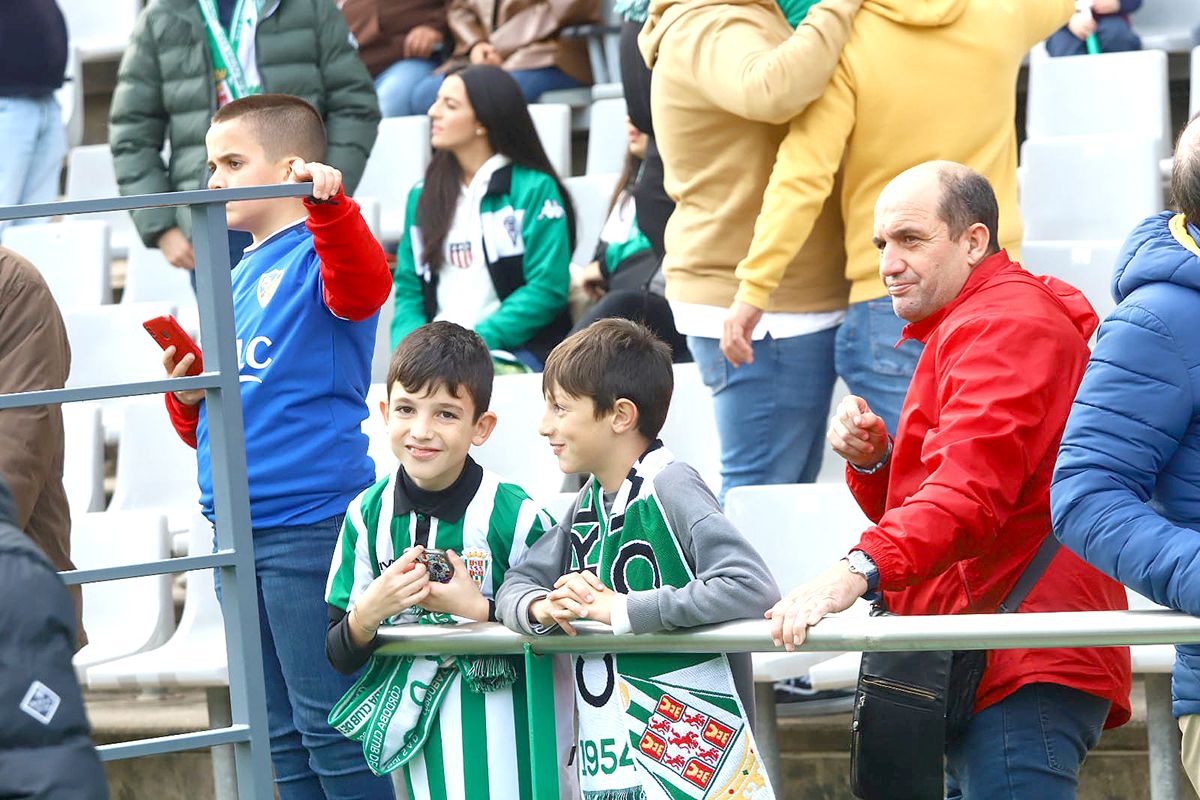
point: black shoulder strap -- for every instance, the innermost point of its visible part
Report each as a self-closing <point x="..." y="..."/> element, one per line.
<point x="1041" y="560"/>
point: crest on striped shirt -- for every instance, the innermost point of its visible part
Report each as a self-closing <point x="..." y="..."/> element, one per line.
<point x="477" y="561"/>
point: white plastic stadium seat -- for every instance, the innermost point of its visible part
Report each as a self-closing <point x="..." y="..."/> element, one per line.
<point x="109" y="345"/>
<point x="83" y="458"/>
<point x="607" y="140"/>
<point x="156" y="471"/>
<point x="382" y="355"/>
<point x="70" y="98"/>
<point x="398" y="160"/>
<point x="1112" y="93"/>
<point x="379" y="447"/>
<point x="1167" y="24"/>
<point x="553" y="124"/>
<point x="72" y="256"/>
<point x="195" y="655"/>
<point x="100" y="30"/>
<point x="150" y="277"/>
<point x="690" y="431"/>
<point x="371" y="210"/>
<point x="90" y="176"/>
<point x="515" y="450"/>
<point x="1088" y="266"/>
<point x="590" y="196"/>
<point x="1089" y="187"/>
<point x="126" y="616"/>
<point x="1194" y="97"/>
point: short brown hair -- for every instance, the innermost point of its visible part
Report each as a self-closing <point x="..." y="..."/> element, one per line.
<point x="611" y="359"/>
<point x="967" y="199"/>
<point x="444" y="354"/>
<point x="281" y="124"/>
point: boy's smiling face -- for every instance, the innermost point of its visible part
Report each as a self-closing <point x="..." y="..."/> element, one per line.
<point x="432" y="431"/>
<point x="582" y="443"/>
<point x="235" y="159"/>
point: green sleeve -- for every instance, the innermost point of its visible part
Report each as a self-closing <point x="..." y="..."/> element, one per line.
<point x="547" y="266"/>
<point x="617" y="253"/>
<point x="410" y="301"/>
<point x="351" y="106"/>
<point x="137" y="128"/>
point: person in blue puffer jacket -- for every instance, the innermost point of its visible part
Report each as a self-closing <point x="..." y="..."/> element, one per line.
<point x="1126" y="489"/>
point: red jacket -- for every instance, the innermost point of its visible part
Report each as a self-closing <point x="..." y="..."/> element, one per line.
<point x="964" y="501"/>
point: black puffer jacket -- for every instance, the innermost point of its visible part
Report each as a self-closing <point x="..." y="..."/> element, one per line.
<point x="45" y="749"/>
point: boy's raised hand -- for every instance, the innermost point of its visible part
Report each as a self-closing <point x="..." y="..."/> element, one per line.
<point x="460" y="596"/>
<point x="189" y="397"/>
<point x="576" y="595"/>
<point x="326" y="180"/>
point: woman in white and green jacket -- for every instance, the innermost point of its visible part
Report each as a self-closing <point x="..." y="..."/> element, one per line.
<point x="490" y="229"/>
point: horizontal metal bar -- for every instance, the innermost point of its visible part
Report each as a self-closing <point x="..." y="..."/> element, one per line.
<point x="163" y="566"/>
<point x="838" y="633"/>
<point x="175" y="743"/>
<point x="158" y="200"/>
<point x="205" y="380"/>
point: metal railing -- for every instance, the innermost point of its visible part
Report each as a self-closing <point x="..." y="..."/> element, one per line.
<point x="234" y="556"/>
<point x="835" y="633"/>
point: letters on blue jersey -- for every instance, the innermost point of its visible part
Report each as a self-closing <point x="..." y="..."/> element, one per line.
<point x="304" y="378"/>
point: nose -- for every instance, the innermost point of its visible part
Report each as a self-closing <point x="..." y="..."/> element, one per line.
<point x="890" y="261"/>
<point x="546" y="427"/>
<point x="215" y="182"/>
<point x="421" y="427"/>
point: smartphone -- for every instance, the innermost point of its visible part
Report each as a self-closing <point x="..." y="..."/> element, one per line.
<point x="167" y="332"/>
<point x="439" y="567"/>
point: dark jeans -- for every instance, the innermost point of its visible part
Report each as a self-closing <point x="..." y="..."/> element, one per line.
<point x="1113" y="34"/>
<point x="650" y="309"/>
<point x="533" y="82"/>
<point x="869" y="361"/>
<point x="1029" y="745"/>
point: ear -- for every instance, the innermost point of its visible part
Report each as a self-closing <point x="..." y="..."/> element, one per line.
<point x="624" y="415"/>
<point x="977" y="241"/>
<point x="484" y="427"/>
<point x="383" y="410"/>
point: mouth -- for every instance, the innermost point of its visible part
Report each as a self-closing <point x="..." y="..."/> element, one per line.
<point x="421" y="453"/>
<point x="557" y="448"/>
<point x="899" y="289"/>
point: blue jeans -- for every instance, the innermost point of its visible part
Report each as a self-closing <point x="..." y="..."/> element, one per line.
<point x="34" y="141"/>
<point x="870" y="363"/>
<point x="396" y="86"/>
<point x="771" y="414"/>
<point x="1030" y="744"/>
<point x="533" y="82"/>
<point x="312" y="761"/>
<point x="1113" y="34"/>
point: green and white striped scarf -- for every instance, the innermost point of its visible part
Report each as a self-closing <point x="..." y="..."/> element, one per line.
<point x="653" y="727"/>
<point x="394" y="704"/>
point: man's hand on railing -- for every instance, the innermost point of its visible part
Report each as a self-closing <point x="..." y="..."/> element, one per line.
<point x="835" y="590"/>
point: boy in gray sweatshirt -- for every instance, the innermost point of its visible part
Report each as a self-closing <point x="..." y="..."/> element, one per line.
<point x="643" y="548"/>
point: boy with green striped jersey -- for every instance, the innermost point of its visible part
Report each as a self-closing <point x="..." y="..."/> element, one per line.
<point x="644" y="548"/>
<point x="456" y="725"/>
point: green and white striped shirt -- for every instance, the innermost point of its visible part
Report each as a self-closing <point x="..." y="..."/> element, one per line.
<point x="477" y="748"/>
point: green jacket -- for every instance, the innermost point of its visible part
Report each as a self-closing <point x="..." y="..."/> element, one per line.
<point x="531" y="272"/>
<point x="165" y="94"/>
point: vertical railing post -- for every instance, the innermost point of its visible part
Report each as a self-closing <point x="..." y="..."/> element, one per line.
<point x="231" y="501"/>
<point x="543" y="736"/>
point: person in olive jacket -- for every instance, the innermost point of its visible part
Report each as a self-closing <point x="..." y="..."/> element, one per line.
<point x="171" y="80"/>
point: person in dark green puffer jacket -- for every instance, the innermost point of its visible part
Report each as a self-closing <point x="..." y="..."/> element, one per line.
<point x="166" y="94"/>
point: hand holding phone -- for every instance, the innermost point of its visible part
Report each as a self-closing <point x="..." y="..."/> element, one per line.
<point x="181" y="355"/>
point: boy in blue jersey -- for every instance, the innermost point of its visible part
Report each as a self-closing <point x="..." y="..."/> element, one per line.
<point x="306" y="295"/>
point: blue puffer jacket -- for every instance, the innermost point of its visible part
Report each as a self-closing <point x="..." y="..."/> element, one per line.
<point x="1126" y="490"/>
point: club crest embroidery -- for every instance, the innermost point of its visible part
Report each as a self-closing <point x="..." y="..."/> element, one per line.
<point x="267" y="284"/>
<point x="510" y="227"/>
<point x="685" y="740"/>
<point x="460" y="254"/>
<point x="477" y="562"/>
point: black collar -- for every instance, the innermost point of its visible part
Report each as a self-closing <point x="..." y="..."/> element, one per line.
<point x="450" y="504"/>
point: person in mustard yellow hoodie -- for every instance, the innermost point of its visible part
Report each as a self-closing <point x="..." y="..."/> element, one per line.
<point x="917" y="80"/>
<point x="727" y="76"/>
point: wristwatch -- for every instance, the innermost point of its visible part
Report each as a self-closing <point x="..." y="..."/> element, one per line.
<point x="860" y="563"/>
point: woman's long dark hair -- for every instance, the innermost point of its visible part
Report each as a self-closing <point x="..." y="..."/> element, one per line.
<point x="501" y="109"/>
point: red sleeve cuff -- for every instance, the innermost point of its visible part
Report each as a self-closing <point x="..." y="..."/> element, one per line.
<point x="354" y="271"/>
<point x="183" y="418"/>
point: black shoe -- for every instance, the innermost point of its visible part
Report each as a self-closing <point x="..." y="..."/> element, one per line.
<point x="795" y="697"/>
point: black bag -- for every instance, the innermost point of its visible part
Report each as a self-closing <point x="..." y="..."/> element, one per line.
<point x="909" y="705"/>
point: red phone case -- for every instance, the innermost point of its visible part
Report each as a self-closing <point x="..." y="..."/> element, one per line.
<point x="167" y="332"/>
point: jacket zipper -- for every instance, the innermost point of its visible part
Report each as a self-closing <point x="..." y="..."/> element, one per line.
<point x="897" y="686"/>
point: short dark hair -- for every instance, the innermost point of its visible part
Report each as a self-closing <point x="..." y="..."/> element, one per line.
<point x="444" y="354"/>
<point x="967" y="199"/>
<point x="1185" y="177"/>
<point x="611" y="359"/>
<point x="281" y="124"/>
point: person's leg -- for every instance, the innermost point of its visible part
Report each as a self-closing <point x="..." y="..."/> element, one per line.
<point x="1189" y="748"/>
<point x="18" y="138"/>
<point x="293" y="565"/>
<point x="536" y="82"/>
<point x="770" y="414"/>
<point x="870" y="362"/>
<point x="395" y="86"/>
<point x="650" y="309"/>
<point x="46" y="161"/>
<point x="1064" y="43"/>
<point x="1031" y="744"/>
<point x="1114" y="35"/>
<point x="424" y="93"/>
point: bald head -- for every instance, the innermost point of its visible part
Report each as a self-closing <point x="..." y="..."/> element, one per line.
<point x="1185" y="172"/>
<point x="965" y="197"/>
